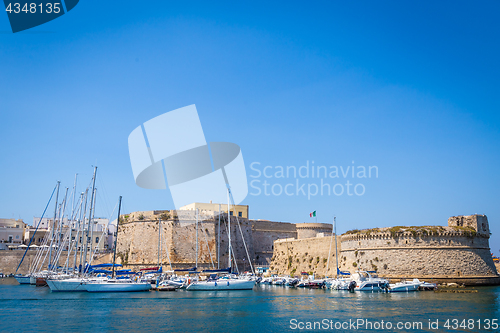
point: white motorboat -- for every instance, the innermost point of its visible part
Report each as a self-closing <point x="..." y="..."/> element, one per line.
<point x="340" y="283"/>
<point x="368" y="281"/>
<point x="405" y="286"/>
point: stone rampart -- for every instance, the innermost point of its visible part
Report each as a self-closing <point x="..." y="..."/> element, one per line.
<point x="457" y="253"/>
<point x="311" y="255"/>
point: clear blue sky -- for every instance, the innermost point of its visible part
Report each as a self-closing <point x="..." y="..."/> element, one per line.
<point x="411" y="88"/>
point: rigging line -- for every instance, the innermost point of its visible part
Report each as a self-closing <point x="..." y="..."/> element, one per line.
<point x="231" y="254"/>
<point x="241" y="232"/>
<point x="32" y="237"/>
<point x="208" y="247"/>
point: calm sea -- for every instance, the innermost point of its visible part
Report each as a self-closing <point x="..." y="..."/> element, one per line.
<point x="25" y="308"/>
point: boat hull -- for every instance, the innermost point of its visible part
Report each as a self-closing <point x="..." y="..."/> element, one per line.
<point x="22" y="279"/>
<point x="221" y="285"/>
<point x="115" y="287"/>
<point x="67" y="285"/>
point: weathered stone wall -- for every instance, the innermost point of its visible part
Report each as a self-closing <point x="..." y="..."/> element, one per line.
<point x="264" y="234"/>
<point x="294" y="256"/>
<point x="449" y="254"/>
<point x="459" y="252"/>
<point x="137" y="243"/>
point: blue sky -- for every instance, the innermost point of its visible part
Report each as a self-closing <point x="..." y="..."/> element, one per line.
<point x="409" y="88"/>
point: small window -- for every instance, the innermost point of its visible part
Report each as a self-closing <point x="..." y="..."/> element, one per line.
<point x="231" y="213"/>
<point x="97" y="239"/>
<point x="17" y="237"/>
<point x="240" y="214"/>
<point x="17" y="225"/>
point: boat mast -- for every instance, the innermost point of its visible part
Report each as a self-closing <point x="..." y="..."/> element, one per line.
<point x="85" y="234"/>
<point x="336" y="255"/>
<point x="116" y="235"/>
<point x="196" y="239"/>
<point x="53" y="225"/>
<point x="218" y="243"/>
<point x="159" y="242"/>
<point x="90" y="226"/>
<point x="329" y="251"/>
<point x="229" y="226"/>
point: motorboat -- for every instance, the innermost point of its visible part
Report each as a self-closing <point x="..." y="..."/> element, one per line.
<point x="405" y="286"/>
<point x="368" y="281"/>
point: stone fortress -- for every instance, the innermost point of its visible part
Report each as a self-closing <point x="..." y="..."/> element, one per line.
<point x="458" y="252"/>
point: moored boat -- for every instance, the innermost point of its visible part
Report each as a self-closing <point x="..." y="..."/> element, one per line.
<point x="368" y="281"/>
<point x="220" y="284"/>
<point x="22" y="279"/>
<point x="405" y="286"/>
<point x="115" y="285"/>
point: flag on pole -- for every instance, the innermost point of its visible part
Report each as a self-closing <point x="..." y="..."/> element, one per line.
<point x="313" y="214"/>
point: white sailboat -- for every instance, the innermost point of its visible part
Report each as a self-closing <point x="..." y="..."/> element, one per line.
<point x="116" y="285"/>
<point x="227" y="282"/>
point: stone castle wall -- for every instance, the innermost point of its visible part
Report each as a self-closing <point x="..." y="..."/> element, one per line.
<point x="459" y="252"/>
<point x="137" y="243"/>
<point x="449" y="255"/>
<point x="311" y="255"/>
<point x="264" y="233"/>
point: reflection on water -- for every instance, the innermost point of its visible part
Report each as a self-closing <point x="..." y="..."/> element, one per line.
<point x="265" y="309"/>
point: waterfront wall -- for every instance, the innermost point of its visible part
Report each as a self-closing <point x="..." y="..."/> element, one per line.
<point x="311" y="255"/>
<point x="457" y="253"/>
<point x="448" y="255"/>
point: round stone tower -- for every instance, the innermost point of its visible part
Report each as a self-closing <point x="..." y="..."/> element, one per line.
<point x="311" y="230"/>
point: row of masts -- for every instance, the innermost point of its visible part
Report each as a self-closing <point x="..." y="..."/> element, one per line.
<point x="73" y="232"/>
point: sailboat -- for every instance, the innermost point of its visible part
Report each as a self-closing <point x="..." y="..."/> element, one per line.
<point x="30" y="278"/>
<point x="114" y="284"/>
<point x="227" y="282"/>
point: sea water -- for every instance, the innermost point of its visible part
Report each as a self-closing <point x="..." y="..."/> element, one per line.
<point x="26" y="308"/>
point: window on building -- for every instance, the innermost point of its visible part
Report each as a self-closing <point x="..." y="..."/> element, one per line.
<point x="17" y="237"/>
<point x="240" y="214"/>
<point x="97" y="239"/>
<point x="17" y="225"/>
<point x="231" y="213"/>
<point x="73" y="238"/>
<point x="80" y="239"/>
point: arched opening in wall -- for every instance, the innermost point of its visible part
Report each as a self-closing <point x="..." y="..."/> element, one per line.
<point x="406" y="242"/>
<point x="449" y="241"/>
